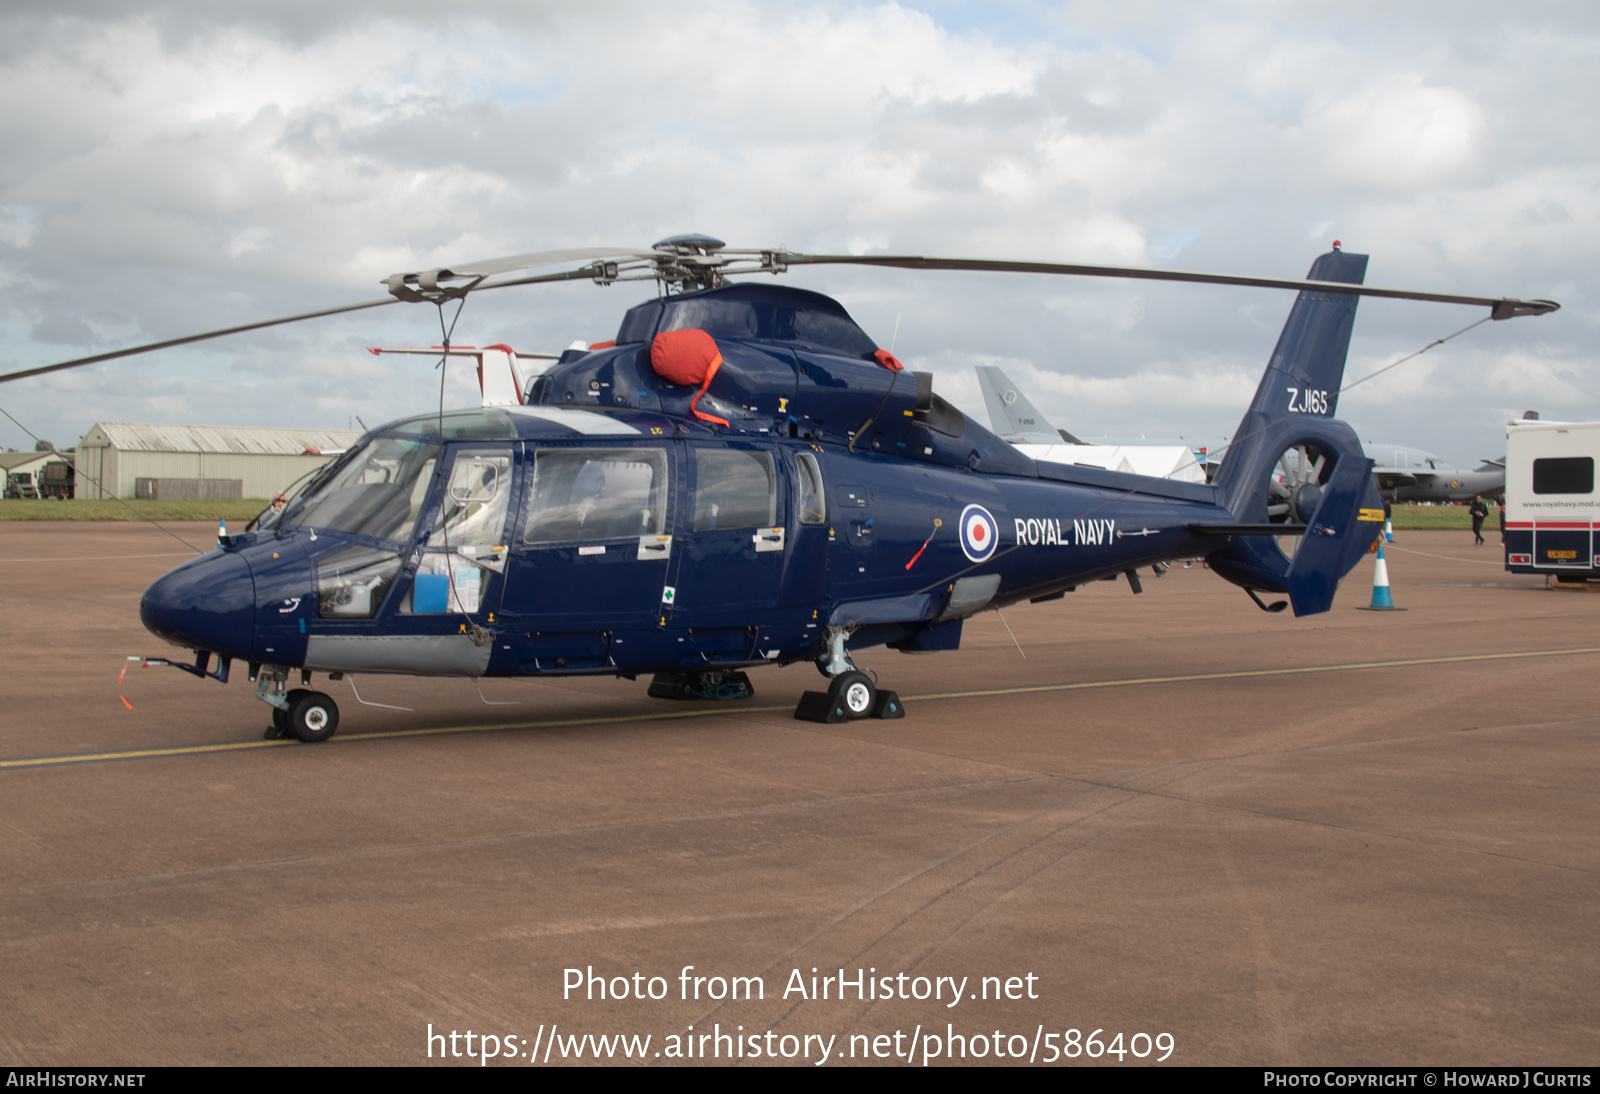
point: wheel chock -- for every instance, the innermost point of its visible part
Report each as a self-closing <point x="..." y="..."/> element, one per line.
<point x="888" y="706"/>
<point x="669" y="685"/>
<point x="694" y="685"/>
<point x="819" y="706"/>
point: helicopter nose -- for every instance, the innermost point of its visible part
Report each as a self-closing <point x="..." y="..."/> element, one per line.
<point x="207" y="604"/>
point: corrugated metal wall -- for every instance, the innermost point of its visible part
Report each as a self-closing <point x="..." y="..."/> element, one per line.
<point x="263" y="475"/>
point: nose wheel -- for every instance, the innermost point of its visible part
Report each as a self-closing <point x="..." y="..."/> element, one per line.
<point x="310" y="716"/>
<point x="313" y="717"/>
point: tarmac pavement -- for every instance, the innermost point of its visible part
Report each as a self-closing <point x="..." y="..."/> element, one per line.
<point x="1176" y="814"/>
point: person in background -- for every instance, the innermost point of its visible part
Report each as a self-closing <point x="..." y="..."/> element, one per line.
<point x="1478" y="512"/>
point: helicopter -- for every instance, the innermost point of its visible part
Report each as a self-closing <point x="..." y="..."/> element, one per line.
<point x="743" y="477"/>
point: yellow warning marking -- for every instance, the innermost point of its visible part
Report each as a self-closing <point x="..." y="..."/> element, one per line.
<point x="679" y="715"/>
<point x="1370" y="514"/>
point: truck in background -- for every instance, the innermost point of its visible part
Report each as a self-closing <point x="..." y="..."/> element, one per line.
<point x="1552" y="513"/>
<point x="38" y="475"/>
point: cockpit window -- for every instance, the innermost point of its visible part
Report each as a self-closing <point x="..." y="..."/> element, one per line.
<point x="378" y="491"/>
<point x="474" y="424"/>
<point x="473" y="511"/>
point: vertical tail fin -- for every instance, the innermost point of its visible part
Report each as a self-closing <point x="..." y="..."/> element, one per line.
<point x="1307" y="365"/>
<point x="1291" y="462"/>
<point x="1301" y="381"/>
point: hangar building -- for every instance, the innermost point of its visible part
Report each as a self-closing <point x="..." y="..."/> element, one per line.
<point x="114" y="456"/>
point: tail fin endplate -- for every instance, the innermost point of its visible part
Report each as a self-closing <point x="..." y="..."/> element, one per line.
<point x="1336" y="537"/>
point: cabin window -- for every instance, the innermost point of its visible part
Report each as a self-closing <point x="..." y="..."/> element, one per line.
<point x="734" y="488"/>
<point x="1564" y="475"/>
<point x="378" y="492"/>
<point x="473" y="510"/>
<point x="809" y="490"/>
<point x="352" y="583"/>
<point x="587" y="493"/>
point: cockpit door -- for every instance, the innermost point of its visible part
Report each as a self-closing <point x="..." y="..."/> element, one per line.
<point x="461" y="567"/>
<point x="735" y="540"/>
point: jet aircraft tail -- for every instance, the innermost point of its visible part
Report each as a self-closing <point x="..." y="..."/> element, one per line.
<point x="1292" y="463"/>
<point x="1015" y="419"/>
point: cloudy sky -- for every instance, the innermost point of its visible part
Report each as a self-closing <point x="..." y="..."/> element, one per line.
<point x="174" y="167"/>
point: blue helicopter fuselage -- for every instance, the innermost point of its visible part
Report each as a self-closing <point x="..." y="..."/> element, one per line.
<point x="882" y="553"/>
<point x="621" y="522"/>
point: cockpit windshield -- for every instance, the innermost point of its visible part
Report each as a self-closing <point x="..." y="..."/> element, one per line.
<point x="378" y="491"/>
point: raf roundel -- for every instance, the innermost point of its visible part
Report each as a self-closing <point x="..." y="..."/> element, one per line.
<point x="980" y="535"/>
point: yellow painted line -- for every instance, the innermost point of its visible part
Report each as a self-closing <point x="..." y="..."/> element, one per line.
<point x="679" y="715"/>
<point x="1247" y="673"/>
<point x="428" y="731"/>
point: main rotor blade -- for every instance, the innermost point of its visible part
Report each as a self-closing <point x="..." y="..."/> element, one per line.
<point x="41" y="370"/>
<point x="491" y="266"/>
<point x="583" y="273"/>
<point x="1501" y="308"/>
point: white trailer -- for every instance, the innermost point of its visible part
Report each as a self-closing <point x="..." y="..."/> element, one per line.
<point x="1552" y="511"/>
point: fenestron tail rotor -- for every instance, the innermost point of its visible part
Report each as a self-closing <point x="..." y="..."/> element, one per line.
<point x="689" y="262"/>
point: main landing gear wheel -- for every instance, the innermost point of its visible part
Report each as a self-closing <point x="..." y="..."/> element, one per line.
<point x="854" y="691"/>
<point x="312" y="716"/>
<point x="850" y="696"/>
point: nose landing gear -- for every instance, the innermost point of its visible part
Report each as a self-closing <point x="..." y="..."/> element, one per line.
<point x="305" y="715"/>
<point x="313" y="717"/>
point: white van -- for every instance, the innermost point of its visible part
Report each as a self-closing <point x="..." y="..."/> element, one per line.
<point x="1552" y="511"/>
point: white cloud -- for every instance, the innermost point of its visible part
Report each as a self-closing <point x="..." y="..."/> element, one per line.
<point x="178" y="167"/>
<point x="1395" y="136"/>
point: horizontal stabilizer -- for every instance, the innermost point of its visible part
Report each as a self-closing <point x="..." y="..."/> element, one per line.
<point x="1335" y="537"/>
